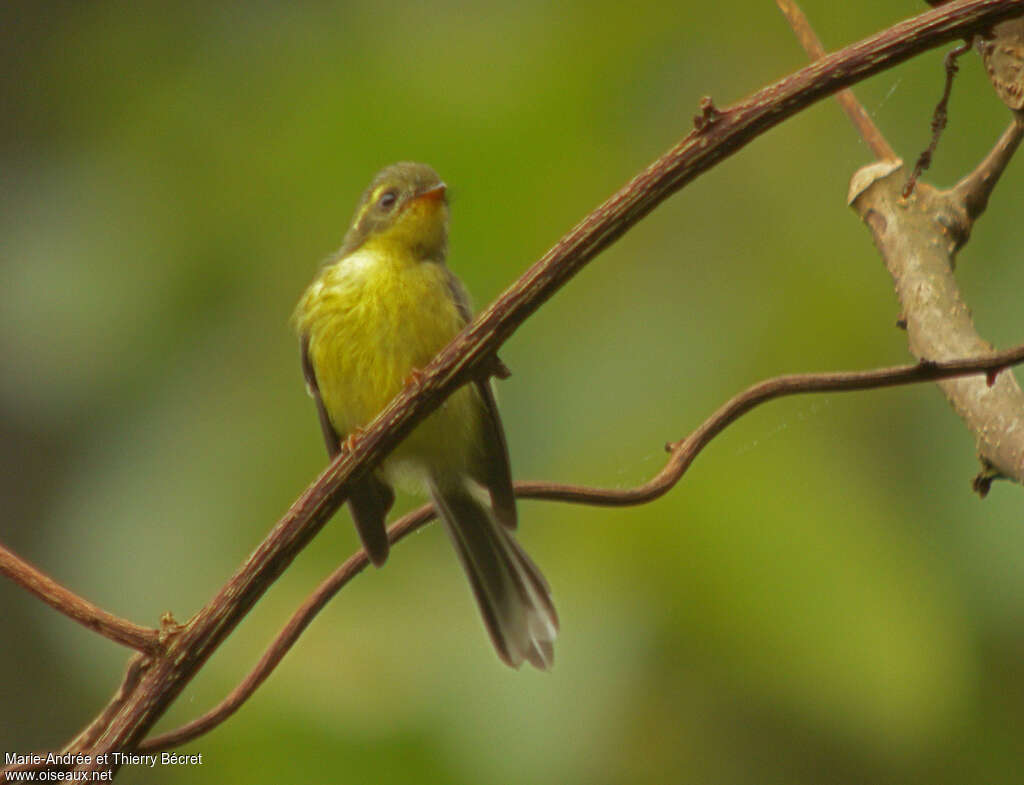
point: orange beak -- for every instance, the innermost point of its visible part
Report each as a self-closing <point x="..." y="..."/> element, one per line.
<point x="435" y="194"/>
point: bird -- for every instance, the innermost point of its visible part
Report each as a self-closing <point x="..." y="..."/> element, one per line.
<point x="378" y="311"/>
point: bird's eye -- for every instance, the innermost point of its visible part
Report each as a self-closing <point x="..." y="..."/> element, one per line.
<point x="387" y="200"/>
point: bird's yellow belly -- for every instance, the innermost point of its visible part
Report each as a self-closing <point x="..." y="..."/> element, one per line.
<point x="370" y="323"/>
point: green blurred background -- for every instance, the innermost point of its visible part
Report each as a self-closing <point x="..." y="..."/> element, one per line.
<point x="821" y="600"/>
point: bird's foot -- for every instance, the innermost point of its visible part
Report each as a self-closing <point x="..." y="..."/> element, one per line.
<point x="415" y="379"/>
<point x="352" y="439"/>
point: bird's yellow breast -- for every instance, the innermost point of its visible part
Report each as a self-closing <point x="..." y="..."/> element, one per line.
<point x="371" y="318"/>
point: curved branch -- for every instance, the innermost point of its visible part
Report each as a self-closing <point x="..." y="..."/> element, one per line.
<point x="65" y="601"/>
<point x="721" y="133"/>
<point x="681" y="456"/>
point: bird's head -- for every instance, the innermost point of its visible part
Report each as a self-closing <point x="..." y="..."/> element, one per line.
<point x="403" y="211"/>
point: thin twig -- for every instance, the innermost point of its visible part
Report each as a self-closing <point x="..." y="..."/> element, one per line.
<point x="939" y="117"/>
<point x="858" y="115"/>
<point x="681" y="456"/>
<point x="74" y="607"/>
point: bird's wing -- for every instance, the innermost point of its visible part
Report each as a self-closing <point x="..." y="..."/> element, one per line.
<point x="493" y="472"/>
<point x="370" y="499"/>
<point x="331" y="438"/>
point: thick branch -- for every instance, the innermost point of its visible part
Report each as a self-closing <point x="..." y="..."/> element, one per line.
<point x="918" y="239"/>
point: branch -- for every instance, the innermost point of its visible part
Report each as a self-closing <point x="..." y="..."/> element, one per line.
<point x="681" y="456"/>
<point x="974" y="190"/>
<point x="855" y="111"/>
<point x="919" y="238"/>
<point x="65" y="601"/>
<point x="939" y="117"/>
<point x="721" y="134"/>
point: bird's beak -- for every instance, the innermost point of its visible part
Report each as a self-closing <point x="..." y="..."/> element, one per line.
<point x="435" y="194"/>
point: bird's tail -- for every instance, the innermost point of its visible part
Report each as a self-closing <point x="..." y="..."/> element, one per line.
<point x="513" y="596"/>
